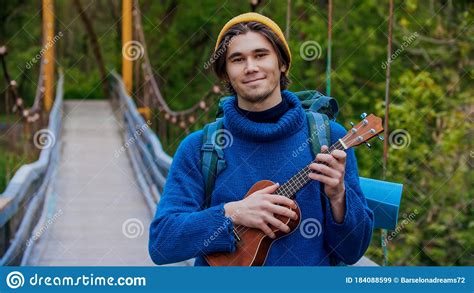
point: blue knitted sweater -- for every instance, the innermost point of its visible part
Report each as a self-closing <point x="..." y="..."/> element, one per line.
<point x="182" y="230"/>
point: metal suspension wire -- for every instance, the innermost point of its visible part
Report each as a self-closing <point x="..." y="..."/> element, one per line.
<point x="328" y="64"/>
<point x="386" y="124"/>
<point x="183" y="117"/>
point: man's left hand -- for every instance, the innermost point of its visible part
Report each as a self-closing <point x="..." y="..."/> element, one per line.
<point x="331" y="173"/>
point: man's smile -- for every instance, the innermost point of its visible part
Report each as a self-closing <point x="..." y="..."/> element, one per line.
<point x="252" y="81"/>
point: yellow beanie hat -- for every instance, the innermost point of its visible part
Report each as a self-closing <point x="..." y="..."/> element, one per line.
<point x="252" y="16"/>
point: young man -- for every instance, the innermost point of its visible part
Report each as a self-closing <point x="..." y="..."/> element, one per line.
<point x="264" y="124"/>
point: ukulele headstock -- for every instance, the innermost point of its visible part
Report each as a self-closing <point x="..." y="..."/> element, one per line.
<point x="366" y="129"/>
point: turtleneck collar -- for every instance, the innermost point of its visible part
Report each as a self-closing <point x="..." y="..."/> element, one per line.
<point x="241" y="126"/>
<point x="269" y="116"/>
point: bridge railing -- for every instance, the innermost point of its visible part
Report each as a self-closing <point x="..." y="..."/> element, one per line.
<point x="149" y="161"/>
<point x="21" y="203"/>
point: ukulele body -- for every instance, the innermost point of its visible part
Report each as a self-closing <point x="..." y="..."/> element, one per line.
<point x="254" y="245"/>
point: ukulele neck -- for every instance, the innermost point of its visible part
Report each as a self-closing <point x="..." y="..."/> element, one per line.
<point x="300" y="179"/>
<point x="369" y="127"/>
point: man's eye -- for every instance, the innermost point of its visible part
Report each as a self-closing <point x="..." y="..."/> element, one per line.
<point x="237" y="60"/>
<point x="261" y="55"/>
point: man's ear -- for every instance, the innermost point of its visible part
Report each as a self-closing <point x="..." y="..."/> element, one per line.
<point x="283" y="68"/>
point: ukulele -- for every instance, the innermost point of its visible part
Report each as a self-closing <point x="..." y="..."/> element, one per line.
<point x="253" y="245"/>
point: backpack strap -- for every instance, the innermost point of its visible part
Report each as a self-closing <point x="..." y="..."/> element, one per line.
<point x="212" y="158"/>
<point x="319" y="130"/>
<point x="220" y="108"/>
<point x="320" y="134"/>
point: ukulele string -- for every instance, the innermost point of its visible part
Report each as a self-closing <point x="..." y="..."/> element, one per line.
<point x="291" y="186"/>
<point x="333" y="147"/>
<point x="336" y="145"/>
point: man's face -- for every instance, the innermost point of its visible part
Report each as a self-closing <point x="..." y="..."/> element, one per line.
<point x="252" y="67"/>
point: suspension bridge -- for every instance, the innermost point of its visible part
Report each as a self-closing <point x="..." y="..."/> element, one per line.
<point x="89" y="198"/>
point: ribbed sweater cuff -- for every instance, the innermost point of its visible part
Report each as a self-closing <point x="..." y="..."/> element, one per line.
<point x="221" y="236"/>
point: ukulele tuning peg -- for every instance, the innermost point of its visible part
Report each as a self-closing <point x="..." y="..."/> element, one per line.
<point x="351" y="123"/>
<point x="363" y="115"/>
<point x="368" y="145"/>
<point x="380" y="137"/>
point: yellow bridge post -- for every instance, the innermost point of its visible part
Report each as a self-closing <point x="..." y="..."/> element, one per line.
<point x="127" y="62"/>
<point x="48" y="57"/>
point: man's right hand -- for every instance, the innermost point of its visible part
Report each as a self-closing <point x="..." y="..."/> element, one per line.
<point x="258" y="210"/>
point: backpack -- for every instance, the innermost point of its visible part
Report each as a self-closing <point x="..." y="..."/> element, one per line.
<point x="319" y="110"/>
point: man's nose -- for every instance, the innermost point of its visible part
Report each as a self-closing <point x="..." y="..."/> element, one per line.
<point x="251" y="66"/>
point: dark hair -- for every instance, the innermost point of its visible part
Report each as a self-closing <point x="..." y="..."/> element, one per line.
<point x="219" y="56"/>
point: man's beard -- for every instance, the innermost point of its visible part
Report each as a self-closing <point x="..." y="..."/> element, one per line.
<point x="256" y="97"/>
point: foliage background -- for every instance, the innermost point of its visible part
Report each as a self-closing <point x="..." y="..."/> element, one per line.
<point x="431" y="89"/>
